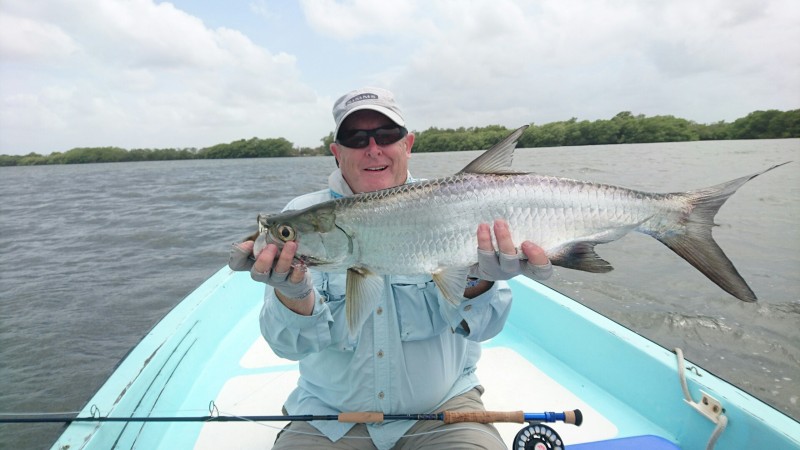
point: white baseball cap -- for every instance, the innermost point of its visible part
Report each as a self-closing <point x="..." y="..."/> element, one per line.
<point x="373" y="98"/>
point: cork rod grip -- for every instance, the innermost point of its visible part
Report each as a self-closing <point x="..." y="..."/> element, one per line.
<point x="484" y="416"/>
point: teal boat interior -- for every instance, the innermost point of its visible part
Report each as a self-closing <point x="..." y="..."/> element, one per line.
<point x="207" y="357"/>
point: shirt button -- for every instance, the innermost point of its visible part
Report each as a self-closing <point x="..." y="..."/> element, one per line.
<point x="379" y="311"/>
<point x="467" y="308"/>
<point x="380" y="353"/>
<point x="380" y="395"/>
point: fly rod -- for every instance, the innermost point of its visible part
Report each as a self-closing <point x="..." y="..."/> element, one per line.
<point x="573" y="417"/>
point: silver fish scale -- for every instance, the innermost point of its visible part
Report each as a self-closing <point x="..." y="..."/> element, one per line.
<point x="419" y="227"/>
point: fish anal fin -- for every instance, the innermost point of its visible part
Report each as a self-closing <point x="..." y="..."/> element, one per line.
<point x="451" y="281"/>
<point x="363" y="290"/>
<point x="580" y="255"/>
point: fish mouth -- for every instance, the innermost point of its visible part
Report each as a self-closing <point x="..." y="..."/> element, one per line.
<point x="310" y="261"/>
<point x="306" y="260"/>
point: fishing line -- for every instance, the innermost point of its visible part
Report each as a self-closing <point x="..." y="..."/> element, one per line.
<point x="54" y="413"/>
<point x="304" y="433"/>
<point x="462" y="428"/>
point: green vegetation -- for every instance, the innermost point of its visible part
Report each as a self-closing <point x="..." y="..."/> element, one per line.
<point x="253" y="148"/>
<point x="624" y="128"/>
<point x="250" y="148"/>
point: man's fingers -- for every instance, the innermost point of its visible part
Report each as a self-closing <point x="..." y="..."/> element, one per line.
<point x="503" y="236"/>
<point x="286" y="257"/>
<point x="246" y="246"/>
<point x="279" y="262"/>
<point x="534" y="253"/>
<point x="265" y="259"/>
<point x="485" y="238"/>
<point x="298" y="272"/>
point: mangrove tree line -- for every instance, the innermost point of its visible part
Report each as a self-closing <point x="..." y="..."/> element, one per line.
<point x="624" y="128"/>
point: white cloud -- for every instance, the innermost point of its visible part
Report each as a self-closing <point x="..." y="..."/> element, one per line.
<point x="148" y="75"/>
<point x="513" y="62"/>
<point x="353" y="19"/>
<point x="25" y="39"/>
<point x="143" y="74"/>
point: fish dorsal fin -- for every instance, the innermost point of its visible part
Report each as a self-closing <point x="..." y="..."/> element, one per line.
<point x="363" y="290"/>
<point x="498" y="159"/>
<point x="451" y="282"/>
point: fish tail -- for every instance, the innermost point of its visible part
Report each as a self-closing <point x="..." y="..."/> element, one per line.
<point x="694" y="243"/>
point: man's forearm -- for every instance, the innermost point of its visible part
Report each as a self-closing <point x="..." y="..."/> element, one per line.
<point x="303" y="306"/>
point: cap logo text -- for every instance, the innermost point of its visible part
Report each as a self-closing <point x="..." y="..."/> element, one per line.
<point x="362" y="97"/>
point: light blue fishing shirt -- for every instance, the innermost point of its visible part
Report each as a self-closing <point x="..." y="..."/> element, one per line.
<point x="411" y="355"/>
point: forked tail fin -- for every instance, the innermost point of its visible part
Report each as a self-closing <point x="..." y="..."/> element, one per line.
<point x="696" y="245"/>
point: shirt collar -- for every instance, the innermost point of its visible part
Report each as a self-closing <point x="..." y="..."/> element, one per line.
<point x="339" y="187"/>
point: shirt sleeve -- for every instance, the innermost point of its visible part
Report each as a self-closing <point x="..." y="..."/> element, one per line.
<point x="482" y="317"/>
<point x="291" y="335"/>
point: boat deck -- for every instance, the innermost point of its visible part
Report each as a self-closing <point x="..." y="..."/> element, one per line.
<point x="553" y="355"/>
<point x="517" y="379"/>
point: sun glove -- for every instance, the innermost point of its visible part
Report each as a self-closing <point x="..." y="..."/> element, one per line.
<point x="240" y="260"/>
<point x="496" y="266"/>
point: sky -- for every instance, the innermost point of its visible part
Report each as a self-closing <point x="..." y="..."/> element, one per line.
<point x="195" y="73"/>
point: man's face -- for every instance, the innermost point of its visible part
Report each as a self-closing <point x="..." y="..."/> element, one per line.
<point x="375" y="166"/>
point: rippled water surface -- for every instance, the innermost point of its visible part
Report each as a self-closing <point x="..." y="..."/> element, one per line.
<point x="94" y="255"/>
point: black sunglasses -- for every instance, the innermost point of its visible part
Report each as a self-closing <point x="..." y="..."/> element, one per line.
<point x="385" y="135"/>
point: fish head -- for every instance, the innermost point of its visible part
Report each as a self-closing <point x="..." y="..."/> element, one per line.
<point x="320" y="243"/>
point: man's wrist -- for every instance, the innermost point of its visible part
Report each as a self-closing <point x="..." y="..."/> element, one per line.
<point x="302" y="305"/>
<point x="296" y="297"/>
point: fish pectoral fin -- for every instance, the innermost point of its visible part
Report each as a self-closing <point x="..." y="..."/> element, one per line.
<point x="580" y="255"/>
<point x="451" y="281"/>
<point x="363" y="290"/>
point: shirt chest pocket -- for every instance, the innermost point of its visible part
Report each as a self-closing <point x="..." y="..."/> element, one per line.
<point x="333" y="288"/>
<point x="416" y="300"/>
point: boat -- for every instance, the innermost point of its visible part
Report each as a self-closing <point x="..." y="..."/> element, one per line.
<point x="207" y="363"/>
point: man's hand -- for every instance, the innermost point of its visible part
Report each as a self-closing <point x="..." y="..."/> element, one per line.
<point x="506" y="264"/>
<point x="275" y="268"/>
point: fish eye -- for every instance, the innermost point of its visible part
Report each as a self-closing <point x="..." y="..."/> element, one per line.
<point x="285" y="232"/>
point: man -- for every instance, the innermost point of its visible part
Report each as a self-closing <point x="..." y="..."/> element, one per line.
<point x="415" y="353"/>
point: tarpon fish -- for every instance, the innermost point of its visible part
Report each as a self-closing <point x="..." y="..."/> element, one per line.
<point x="429" y="227"/>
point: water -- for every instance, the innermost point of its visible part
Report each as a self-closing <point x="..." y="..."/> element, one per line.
<point x="94" y="255"/>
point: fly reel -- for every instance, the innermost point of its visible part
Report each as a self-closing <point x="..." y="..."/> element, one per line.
<point x="537" y="436"/>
